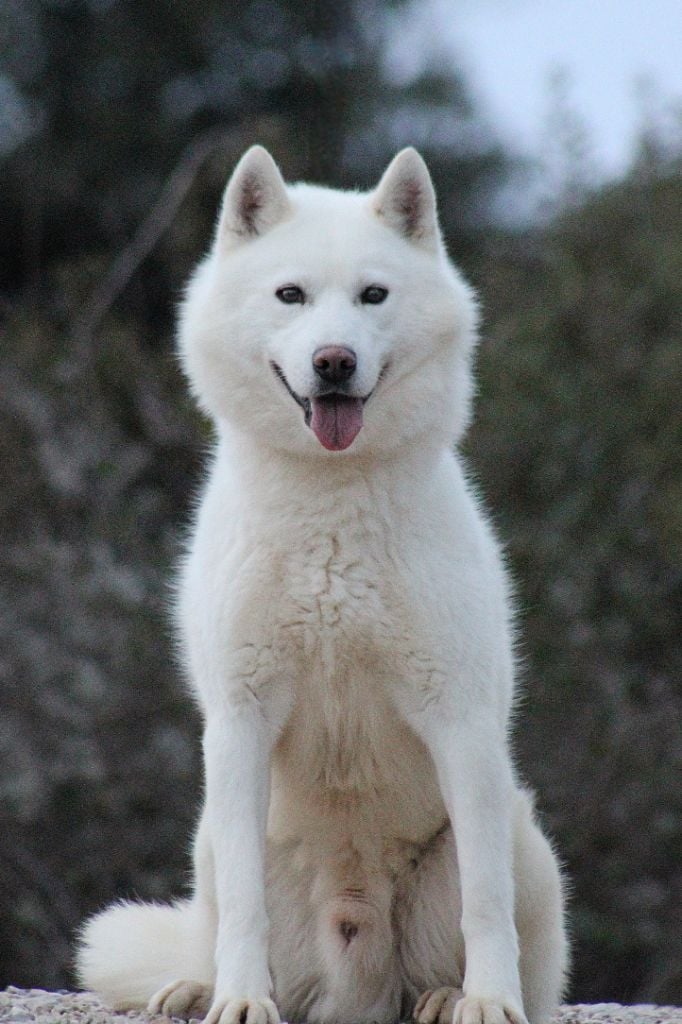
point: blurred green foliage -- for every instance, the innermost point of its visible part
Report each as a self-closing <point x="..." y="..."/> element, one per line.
<point x="121" y="111"/>
<point x="577" y="444"/>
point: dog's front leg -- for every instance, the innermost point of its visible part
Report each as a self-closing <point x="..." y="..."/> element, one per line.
<point x="237" y="747"/>
<point x="474" y="771"/>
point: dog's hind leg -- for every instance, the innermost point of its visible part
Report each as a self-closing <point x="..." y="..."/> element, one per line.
<point x="431" y="942"/>
<point x="431" y="947"/>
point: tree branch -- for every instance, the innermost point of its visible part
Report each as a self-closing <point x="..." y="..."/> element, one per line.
<point x="157" y="221"/>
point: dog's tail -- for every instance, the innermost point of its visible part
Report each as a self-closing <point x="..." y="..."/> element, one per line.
<point x="131" y="950"/>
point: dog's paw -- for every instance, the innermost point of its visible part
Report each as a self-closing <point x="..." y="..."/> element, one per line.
<point x="437" y="1005"/>
<point x="242" y="1011"/>
<point x="185" y="999"/>
<point x="476" y="1010"/>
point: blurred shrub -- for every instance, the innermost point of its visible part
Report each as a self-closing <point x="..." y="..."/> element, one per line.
<point x="577" y="443"/>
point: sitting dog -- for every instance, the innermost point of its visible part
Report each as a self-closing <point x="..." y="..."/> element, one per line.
<point x="365" y="851"/>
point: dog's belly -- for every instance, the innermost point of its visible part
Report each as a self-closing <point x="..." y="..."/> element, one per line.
<point x="347" y="761"/>
<point x="348" y="758"/>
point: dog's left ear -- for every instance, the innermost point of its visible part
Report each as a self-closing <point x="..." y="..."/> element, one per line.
<point x="255" y="198"/>
<point x="406" y="201"/>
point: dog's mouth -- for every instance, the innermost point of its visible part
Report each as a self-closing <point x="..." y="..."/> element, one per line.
<point x="334" y="417"/>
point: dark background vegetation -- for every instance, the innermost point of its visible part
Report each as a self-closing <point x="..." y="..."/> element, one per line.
<point x="120" y="122"/>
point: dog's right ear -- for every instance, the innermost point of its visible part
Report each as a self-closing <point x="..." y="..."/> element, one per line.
<point x="255" y="198"/>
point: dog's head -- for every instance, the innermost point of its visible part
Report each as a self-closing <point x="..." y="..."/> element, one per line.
<point x="326" y="321"/>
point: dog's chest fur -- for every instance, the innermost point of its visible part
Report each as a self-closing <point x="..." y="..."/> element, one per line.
<point x="345" y="748"/>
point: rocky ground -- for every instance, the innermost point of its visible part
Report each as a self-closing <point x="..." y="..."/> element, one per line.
<point x="34" y="1006"/>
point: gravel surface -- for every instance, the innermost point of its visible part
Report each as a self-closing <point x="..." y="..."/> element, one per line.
<point x="34" y="1006"/>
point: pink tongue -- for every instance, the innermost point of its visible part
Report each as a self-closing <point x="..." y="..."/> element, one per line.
<point x="336" y="420"/>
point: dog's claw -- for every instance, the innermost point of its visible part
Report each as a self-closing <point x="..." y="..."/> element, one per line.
<point x="437" y="1006"/>
<point x="184" y="999"/>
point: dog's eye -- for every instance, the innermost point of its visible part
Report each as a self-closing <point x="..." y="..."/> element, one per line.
<point x="290" y="294"/>
<point x="373" y="295"/>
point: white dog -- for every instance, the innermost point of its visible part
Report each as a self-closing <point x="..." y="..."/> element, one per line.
<point x="364" y="852"/>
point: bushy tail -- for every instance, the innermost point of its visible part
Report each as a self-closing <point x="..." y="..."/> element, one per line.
<point x="131" y="950"/>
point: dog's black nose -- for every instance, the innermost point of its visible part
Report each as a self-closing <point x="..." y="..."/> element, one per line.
<point x="334" y="363"/>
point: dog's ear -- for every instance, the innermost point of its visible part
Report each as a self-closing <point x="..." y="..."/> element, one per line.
<point x="406" y="201"/>
<point x="255" y="198"/>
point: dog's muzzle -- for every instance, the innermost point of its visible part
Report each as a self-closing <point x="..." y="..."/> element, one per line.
<point x="334" y="416"/>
